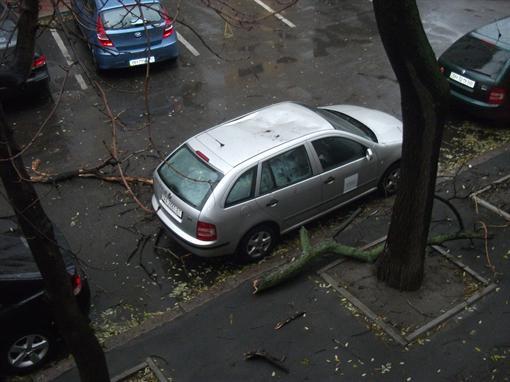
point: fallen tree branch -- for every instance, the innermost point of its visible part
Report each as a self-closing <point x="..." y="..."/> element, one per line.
<point x="281" y="324"/>
<point x="297" y="265"/>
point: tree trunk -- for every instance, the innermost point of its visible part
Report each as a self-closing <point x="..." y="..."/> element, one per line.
<point x="424" y="94"/>
<point x="38" y="230"/>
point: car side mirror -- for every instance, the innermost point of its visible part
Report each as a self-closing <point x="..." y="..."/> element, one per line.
<point x="369" y="154"/>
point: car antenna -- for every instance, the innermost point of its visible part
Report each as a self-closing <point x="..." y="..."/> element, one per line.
<point x="499" y="32"/>
<point x="221" y="144"/>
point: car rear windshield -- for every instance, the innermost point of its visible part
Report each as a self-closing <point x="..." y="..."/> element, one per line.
<point x="341" y="121"/>
<point x="131" y="16"/>
<point x="477" y="55"/>
<point x="189" y="177"/>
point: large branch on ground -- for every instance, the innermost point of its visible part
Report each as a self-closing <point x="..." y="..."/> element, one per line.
<point x="309" y="253"/>
<point x="94" y="172"/>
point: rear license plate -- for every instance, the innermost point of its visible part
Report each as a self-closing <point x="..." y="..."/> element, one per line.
<point x="463" y="80"/>
<point x="141" y="61"/>
<point x="171" y="206"/>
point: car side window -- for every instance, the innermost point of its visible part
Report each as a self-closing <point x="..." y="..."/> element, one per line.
<point x="243" y="189"/>
<point x="336" y="151"/>
<point x="285" y="169"/>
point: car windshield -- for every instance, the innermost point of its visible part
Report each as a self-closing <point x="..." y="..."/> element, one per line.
<point x="341" y="121"/>
<point x="477" y="55"/>
<point x="131" y="16"/>
<point x="189" y="177"/>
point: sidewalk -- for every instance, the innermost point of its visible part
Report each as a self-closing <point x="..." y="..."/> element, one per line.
<point x="329" y="342"/>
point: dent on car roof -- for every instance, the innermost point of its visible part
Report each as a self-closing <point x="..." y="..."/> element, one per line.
<point x="241" y="139"/>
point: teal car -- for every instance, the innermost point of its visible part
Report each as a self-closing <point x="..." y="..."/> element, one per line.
<point x="477" y="67"/>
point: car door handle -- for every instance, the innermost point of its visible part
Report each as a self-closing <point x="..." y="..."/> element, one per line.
<point x="272" y="203"/>
<point x="330" y="180"/>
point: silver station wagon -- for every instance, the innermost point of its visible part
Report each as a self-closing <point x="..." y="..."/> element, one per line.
<point x="236" y="187"/>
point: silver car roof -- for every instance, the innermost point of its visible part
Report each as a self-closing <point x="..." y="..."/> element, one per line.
<point x="240" y="139"/>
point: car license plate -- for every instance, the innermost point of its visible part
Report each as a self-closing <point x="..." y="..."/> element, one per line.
<point x="463" y="80"/>
<point x="141" y="61"/>
<point x="176" y="210"/>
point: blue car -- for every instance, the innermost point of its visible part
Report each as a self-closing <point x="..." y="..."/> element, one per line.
<point x="125" y="33"/>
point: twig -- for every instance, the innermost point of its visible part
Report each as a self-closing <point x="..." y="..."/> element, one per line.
<point x="486" y="244"/>
<point x="115" y="153"/>
<point x="296" y="315"/>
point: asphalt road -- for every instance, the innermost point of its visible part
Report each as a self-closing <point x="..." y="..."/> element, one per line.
<point x="317" y="53"/>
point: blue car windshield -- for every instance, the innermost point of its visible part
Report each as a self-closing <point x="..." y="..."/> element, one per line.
<point x="130" y="16"/>
<point x="189" y="177"/>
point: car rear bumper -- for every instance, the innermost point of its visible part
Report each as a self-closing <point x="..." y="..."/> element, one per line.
<point x="193" y="245"/>
<point x="112" y="59"/>
<point x="480" y="108"/>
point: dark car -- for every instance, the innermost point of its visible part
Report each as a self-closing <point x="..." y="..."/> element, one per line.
<point x="39" y="76"/>
<point x="28" y="333"/>
<point x="477" y="67"/>
<point x="125" y="33"/>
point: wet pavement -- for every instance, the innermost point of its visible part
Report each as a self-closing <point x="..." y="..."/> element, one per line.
<point x="332" y="55"/>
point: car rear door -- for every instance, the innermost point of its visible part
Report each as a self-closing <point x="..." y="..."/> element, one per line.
<point x="290" y="192"/>
<point x="349" y="169"/>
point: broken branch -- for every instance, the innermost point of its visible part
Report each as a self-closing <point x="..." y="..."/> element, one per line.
<point x="297" y="265"/>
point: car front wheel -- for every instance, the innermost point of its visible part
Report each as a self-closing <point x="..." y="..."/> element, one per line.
<point x="257" y="243"/>
<point x="25" y="352"/>
<point x="390" y="181"/>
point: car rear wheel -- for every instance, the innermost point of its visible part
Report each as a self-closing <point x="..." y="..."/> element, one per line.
<point x="390" y="181"/>
<point x="257" y="243"/>
<point x="24" y="352"/>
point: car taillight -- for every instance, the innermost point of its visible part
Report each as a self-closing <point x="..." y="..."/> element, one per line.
<point x="76" y="283"/>
<point x="206" y="231"/>
<point x="497" y="96"/>
<point x="39" y="61"/>
<point x="102" y="37"/>
<point x="169" y="25"/>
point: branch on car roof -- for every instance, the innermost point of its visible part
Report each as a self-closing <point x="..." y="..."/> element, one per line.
<point x="297" y="265"/>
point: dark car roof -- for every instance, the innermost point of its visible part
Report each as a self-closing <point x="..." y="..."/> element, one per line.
<point x="498" y="31"/>
<point x="16" y="260"/>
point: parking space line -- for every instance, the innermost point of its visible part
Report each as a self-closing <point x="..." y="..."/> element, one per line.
<point x="277" y="15"/>
<point x="68" y="58"/>
<point x="186" y="43"/>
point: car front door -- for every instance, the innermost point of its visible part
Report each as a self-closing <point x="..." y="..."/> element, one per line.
<point x="289" y="191"/>
<point x="349" y="169"/>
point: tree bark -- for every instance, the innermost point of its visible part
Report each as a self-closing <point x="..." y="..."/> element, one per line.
<point x="38" y="231"/>
<point x="424" y="94"/>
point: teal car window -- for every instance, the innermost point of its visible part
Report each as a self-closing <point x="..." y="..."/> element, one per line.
<point x="336" y="151"/>
<point x="285" y="169"/>
<point x="243" y="189"/>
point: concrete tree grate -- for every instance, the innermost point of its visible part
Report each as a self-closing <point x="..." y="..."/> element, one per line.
<point x="451" y="288"/>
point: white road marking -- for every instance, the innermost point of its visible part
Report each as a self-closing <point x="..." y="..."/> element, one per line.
<point x="68" y="58"/>
<point x="277" y="15"/>
<point x="190" y="47"/>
